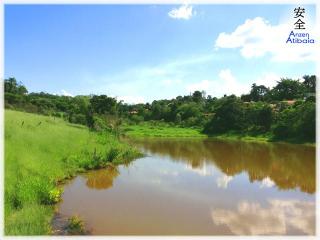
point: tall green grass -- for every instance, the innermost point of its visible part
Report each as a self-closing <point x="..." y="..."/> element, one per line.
<point x="40" y="152"/>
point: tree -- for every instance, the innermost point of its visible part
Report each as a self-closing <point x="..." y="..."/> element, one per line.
<point x="246" y="97"/>
<point x="296" y="122"/>
<point x="257" y="93"/>
<point x="228" y="115"/>
<point x="288" y="89"/>
<point x="103" y="104"/>
<point x="197" y="96"/>
<point x="310" y="83"/>
<point x="188" y="110"/>
<point x="12" y="86"/>
<point x="259" y="117"/>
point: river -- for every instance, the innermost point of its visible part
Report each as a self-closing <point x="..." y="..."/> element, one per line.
<point x="200" y="187"/>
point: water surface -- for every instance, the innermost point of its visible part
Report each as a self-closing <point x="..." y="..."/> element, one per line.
<point x="200" y="187"/>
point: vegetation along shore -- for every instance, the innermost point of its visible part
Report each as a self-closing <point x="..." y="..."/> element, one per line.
<point x="50" y="138"/>
<point x="42" y="151"/>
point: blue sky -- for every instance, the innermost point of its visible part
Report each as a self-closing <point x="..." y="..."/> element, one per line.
<point x="139" y="53"/>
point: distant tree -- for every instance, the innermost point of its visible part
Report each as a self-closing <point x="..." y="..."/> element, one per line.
<point x="90" y="118"/>
<point x="245" y="97"/>
<point x="296" y="122"/>
<point x="188" y="110"/>
<point x="310" y="83"/>
<point x="259" y="117"/>
<point x="288" y="89"/>
<point x="228" y="115"/>
<point x="258" y="92"/>
<point x="197" y="96"/>
<point x="156" y="110"/>
<point x="306" y="121"/>
<point x="103" y="104"/>
<point x="12" y="86"/>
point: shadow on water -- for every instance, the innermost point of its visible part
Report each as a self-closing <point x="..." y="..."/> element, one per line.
<point x="101" y="179"/>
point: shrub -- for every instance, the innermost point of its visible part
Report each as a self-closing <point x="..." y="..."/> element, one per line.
<point x="75" y="226"/>
<point x="112" y="154"/>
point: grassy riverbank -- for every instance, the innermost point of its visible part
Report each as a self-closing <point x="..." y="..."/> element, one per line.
<point x="148" y="130"/>
<point x="163" y="130"/>
<point x="40" y="152"/>
<point x="259" y="138"/>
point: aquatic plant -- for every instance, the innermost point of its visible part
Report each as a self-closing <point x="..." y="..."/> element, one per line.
<point x="75" y="226"/>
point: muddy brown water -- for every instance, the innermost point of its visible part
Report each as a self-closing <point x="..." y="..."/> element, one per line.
<point x="200" y="187"/>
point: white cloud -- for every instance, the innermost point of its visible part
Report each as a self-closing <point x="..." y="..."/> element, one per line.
<point x="225" y="84"/>
<point x="65" y="93"/>
<point x="231" y="82"/>
<point x="223" y="181"/>
<point x="163" y="81"/>
<point x="269" y="80"/>
<point x="257" y="37"/>
<point x="183" y="12"/>
<point x="277" y="218"/>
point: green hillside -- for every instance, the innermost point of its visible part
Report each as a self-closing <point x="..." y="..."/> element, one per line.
<point x="40" y="152"/>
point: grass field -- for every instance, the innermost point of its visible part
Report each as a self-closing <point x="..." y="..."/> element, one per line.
<point x="42" y="151"/>
<point x="148" y="130"/>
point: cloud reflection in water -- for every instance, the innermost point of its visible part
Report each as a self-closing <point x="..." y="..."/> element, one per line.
<point x="252" y="219"/>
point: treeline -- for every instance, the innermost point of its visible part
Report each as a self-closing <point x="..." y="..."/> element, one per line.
<point x="285" y="112"/>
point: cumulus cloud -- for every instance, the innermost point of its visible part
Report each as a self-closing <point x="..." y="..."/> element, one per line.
<point x="225" y="84"/>
<point x="257" y="37"/>
<point x="277" y="218"/>
<point x="65" y="93"/>
<point x="183" y="12"/>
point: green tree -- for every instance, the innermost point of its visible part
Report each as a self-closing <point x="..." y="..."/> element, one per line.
<point x="197" y="96"/>
<point x="103" y="104"/>
<point x="228" y="115"/>
<point x="258" y="93"/>
<point x="259" y="117"/>
<point x="12" y="86"/>
<point x="310" y="83"/>
<point x="288" y="89"/>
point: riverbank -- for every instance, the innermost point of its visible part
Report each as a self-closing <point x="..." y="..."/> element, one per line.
<point x="162" y="130"/>
<point x="40" y="153"/>
<point x="259" y="138"/>
<point x="166" y="131"/>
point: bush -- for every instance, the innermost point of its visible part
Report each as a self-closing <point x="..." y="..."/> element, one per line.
<point x="229" y="115"/>
<point x="99" y="124"/>
<point x="136" y="119"/>
<point x="78" y="119"/>
<point x="258" y="117"/>
<point x="75" y="226"/>
<point x="296" y="122"/>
